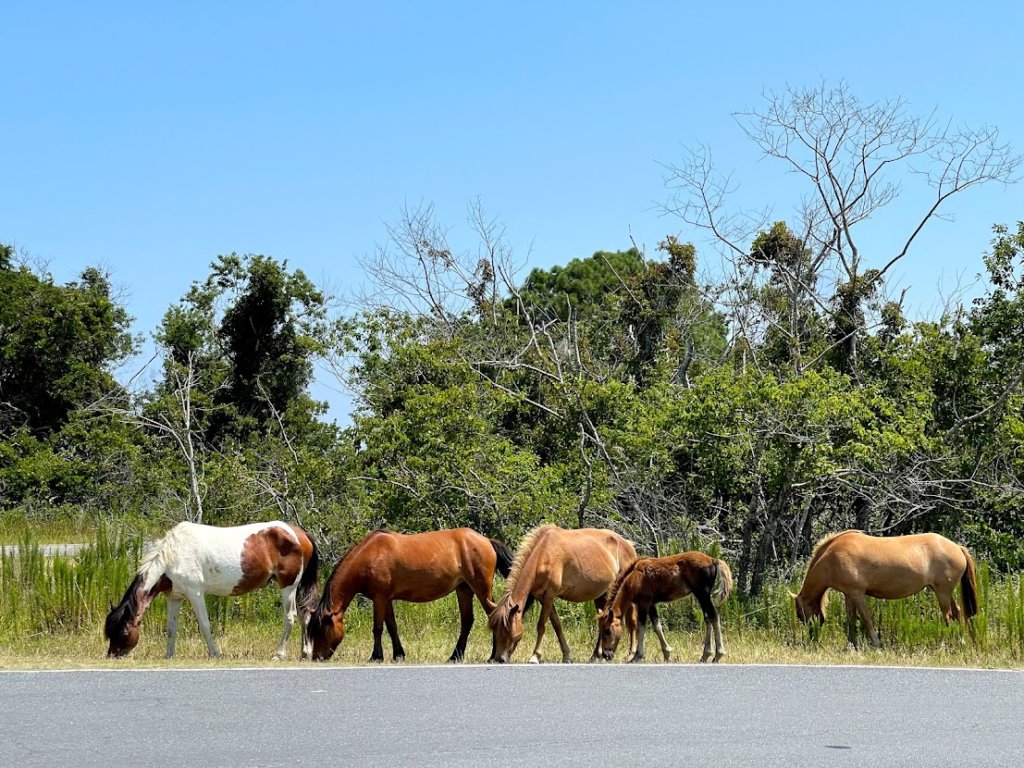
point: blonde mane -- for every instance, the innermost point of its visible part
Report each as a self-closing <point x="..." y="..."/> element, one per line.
<point x="525" y="548"/>
<point x="822" y="545"/>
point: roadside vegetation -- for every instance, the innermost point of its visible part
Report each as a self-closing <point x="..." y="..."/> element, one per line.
<point x="52" y="611"/>
<point x="746" y="397"/>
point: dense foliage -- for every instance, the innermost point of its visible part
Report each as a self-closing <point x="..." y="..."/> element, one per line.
<point x="785" y="397"/>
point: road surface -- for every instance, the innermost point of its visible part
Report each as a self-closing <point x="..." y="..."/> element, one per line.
<point x="614" y="715"/>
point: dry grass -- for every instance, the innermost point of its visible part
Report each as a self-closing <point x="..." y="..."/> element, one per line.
<point x="428" y="634"/>
<point x="52" y="610"/>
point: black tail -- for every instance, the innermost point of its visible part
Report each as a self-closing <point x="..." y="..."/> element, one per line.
<point x="308" y="596"/>
<point x="505" y="557"/>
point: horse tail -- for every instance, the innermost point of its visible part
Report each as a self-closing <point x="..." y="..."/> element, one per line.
<point x="724" y="582"/>
<point x="505" y="557"/>
<point x="308" y="597"/>
<point x="969" y="586"/>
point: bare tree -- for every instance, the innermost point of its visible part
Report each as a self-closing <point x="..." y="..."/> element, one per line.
<point x="855" y="158"/>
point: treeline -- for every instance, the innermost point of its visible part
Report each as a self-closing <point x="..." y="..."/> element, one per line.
<point x="784" y="396"/>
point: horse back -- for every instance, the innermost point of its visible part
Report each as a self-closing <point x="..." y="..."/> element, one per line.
<point x="888" y="566"/>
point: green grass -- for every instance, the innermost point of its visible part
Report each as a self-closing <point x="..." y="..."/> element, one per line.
<point x="52" y="612"/>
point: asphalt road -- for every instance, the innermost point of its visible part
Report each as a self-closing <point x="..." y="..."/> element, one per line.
<point x="614" y="715"/>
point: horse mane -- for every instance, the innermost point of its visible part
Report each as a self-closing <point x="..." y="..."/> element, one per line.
<point x="522" y="553"/>
<point x="619" y="581"/>
<point x="325" y="599"/>
<point x="822" y="545"/>
<point x="501" y="614"/>
<point x="125" y="611"/>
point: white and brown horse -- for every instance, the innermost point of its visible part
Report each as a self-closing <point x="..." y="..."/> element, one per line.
<point x="575" y="565"/>
<point x="192" y="561"/>
<point x="889" y="568"/>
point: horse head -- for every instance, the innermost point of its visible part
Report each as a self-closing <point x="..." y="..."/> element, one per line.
<point x="326" y="630"/>
<point x="506" y="622"/>
<point x="121" y="631"/>
<point x="809" y="611"/>
<point x="609" y="627"/>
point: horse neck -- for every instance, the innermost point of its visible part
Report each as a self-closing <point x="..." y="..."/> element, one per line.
<point x="625" y="593"/>
<point x="342" y="586"/>
<point x="519" y="588"/>
<point x="149" y="582"/>
<point x="814" y="586"/>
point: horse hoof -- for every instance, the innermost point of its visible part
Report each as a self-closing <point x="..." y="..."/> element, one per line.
<point x="399" y="658"/>
<point x="376" y="659"/>
<point x="534" y="660"/>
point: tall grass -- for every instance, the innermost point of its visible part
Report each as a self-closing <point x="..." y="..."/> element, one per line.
<point x="52" y="611"/>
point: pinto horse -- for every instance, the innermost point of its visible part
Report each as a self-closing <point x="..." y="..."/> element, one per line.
<point x="419" y="568"/>
<point x="889" y="568"/>
<point x="652" y="580"/>
<point x="575" y="565"/>
<point x="193" y="560"/>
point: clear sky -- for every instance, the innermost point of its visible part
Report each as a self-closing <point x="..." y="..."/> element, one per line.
<point x="150" y="137"/>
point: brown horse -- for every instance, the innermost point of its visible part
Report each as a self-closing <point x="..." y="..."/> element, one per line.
<point x="888" y="568"/>
<point x="419" y="568"/>
<point x="552" y="562"/>
<point x="652" y="580"/>
<point x="193" y="560"/>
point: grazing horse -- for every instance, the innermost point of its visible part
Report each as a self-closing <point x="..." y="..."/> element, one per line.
<point x="575" y="565"/>
<point x="652" y="580"/>
<point x="888" y="568"/>
<point x="419" y="568"/>
<point x="192" y="561"/>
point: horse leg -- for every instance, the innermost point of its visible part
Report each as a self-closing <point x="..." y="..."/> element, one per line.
<point x="465" y="598"/>
<point x="947" y="605"/>
<point x="380" y="610"/>
<point x="641" y="616"/>
<point x="666" y="649"/>
<point x="546" y="609"/>
<point x="173" y="612"/>
<point x="397" y="651"/>
<point x="599" y="604"/>
<point x="288" y="611"/>
<point x="719" y="643"/>
<point x="556" y="624"/>
<point x="851" y="622"/>
<point x="861" y="603"/>
<point x="711" y="622"/>
<point x="198" y="604"/>
<point x="307" y="642"/>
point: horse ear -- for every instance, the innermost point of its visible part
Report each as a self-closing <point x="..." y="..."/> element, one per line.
<point x="111" y="605"/>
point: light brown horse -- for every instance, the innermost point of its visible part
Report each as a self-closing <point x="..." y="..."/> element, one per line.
<point x="889" y="568"/>
<point x="419" y="568"/>
<point x="652" y="580"/>
<point x="575" y="565"/>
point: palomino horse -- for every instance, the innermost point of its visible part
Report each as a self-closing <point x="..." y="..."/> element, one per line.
<point x="419" y="568"/>
<point x="575" y="565"/>
<point x="652" y="580"/>
<point x="196" y="560"/>
<point x="889" y="568"/>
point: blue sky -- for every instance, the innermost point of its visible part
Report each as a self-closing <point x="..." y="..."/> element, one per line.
<point x="149" y="138"/>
